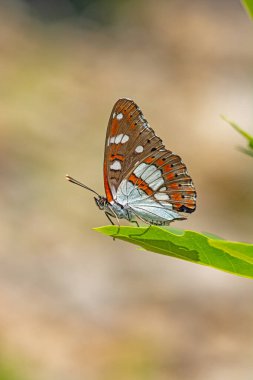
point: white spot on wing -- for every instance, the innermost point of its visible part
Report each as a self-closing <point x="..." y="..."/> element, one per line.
<point x="116" y="165"/>
<point x="125" y="139"/>
<point x="156" y="183"/>
<point x="139" y="149"/>
<point x="161" y="197"/>
<point x="140" y="169"/>
<point x="114" y="114"/>
<point x="150" y="174"/>
<point x="120" y="116"/>
<point x="119" y="139"/>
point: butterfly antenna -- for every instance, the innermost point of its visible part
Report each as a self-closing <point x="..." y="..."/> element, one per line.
<point x="73" y="180"/>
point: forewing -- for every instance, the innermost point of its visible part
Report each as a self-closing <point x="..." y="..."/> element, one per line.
<point x="129" y="140"/>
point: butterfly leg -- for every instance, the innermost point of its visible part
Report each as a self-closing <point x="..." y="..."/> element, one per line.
<point x="108" y="217"/>
<point x="144" y="232"/>
<point x="118" y="225"/>
<point x="143" y="220"/>
<point x="135" y="221"/>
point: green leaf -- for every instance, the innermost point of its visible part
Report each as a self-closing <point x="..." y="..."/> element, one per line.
<point x="249" y="152"/>
<point x="248" y="5"/>
<point x="204" y="249"/>
<point x="246" y="135"/>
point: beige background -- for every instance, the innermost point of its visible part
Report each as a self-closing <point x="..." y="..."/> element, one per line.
<point x="74" y="304"/>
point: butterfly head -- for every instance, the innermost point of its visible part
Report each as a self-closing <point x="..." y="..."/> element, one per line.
<point x="101" y="202"/>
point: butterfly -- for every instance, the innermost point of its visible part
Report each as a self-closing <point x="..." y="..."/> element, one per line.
<point x="143" y="180"/>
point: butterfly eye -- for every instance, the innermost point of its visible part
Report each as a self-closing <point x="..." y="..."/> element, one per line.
<point x="101" y="202"/>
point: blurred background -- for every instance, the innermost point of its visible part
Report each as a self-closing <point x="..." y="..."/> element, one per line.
<point x="74" y="304"/>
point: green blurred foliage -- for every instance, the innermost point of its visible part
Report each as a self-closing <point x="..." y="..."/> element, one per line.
<point x="9" y="371"/>
<point x="246" y="135"/>
<point x="248" y="4"/>
<point x="99" y="11"/>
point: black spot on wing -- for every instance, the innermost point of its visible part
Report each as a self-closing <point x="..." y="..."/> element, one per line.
<point x="184" y="208"/>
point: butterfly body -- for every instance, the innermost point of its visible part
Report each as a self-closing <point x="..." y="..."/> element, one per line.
<point x="143" y="180"/>
<point x="116" y="210"/>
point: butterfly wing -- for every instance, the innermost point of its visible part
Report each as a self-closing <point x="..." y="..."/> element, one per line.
<point x="140" y="173"/>
<point x="127" y="129"/>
